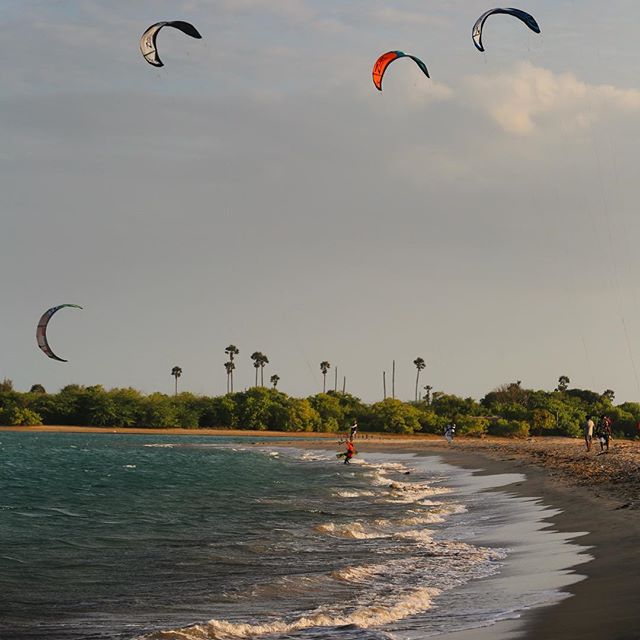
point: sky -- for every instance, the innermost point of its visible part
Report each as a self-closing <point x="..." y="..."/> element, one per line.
<point x="258" y="190"/>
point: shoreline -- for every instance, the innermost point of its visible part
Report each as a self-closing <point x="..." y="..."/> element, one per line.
<point x="596" y="494"/>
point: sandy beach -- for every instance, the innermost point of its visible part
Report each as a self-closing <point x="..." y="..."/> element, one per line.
<point x="598" y="494"/>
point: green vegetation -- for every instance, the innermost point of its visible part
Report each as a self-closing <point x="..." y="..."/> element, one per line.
<point x="510" y="410"/>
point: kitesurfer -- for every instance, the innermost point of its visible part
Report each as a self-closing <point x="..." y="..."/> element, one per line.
<point x="350" y="452"/>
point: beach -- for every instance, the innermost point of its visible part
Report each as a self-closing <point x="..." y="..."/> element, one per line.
<point x="590" y="493"/>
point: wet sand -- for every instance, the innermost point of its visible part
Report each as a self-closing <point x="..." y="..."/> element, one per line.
<point x="599" y="494"/>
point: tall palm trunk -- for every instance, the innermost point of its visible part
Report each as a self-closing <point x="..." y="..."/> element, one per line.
<point x="393" y="380"/>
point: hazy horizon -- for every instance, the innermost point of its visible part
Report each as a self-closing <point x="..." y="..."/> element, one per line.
<point x="259" y="191"/>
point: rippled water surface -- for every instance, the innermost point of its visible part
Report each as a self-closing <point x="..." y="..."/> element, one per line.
<point x="117" y="536"/>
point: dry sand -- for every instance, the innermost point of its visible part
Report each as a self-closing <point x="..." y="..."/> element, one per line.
<point x="595" y="493"/>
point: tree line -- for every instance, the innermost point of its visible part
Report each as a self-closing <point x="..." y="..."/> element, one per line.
<point x="509" y="410"/>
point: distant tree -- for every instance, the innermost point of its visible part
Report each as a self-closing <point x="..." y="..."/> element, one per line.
<point x="275" y="378"/>
<point x="420" y="365"/>
<point x="256" y="356"/>
<point x="427" y="395"/>
<point x="176" y="372"/>
<point x="37" y="388"/>
<point x="563" y="383"/>
<point x="232" y="351"/>
<point x="324" y="367"/>
<point x="263" y="361"/>
<point x="609" y="394"/>
<point x="6" y="385"/>
<point x="229" y="366"/>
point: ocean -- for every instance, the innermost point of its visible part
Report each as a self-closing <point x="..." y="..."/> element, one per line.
<point x="111" y="536"/>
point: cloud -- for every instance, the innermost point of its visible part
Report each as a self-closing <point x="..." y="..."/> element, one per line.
<point x="530" y="96"/>
<point x="296" y="10"/>
<point x="391" y="15"/>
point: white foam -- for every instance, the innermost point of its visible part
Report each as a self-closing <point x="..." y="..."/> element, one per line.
<point x="353" y="530"/>
<point x="358" y="573"/>
<point x="419" y="535"/>
<point x="346" y="493"/>
<point x="411" y="603"/>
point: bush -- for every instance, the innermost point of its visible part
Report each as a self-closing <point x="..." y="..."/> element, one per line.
<point x="395" y="416"/>
<point x="472" y="426"/>
<point x="19" y="417"/>
<point x="509" y="428"/>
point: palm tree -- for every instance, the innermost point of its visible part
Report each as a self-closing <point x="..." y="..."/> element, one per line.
<point x="563" y="383"/>
<point x="230" y="366"/>
<point x="274" y="380"/>
<point x="231" y="350"/>
<point x="427" y="396"/>
<point x="263" y="360"/>
<point x="176" y="372"/>
<point x="324" y="367"/>
<point x="420" y="365"/>
<point x="255" y="356"/>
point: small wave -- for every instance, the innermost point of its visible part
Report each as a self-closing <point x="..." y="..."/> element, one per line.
<point x="129" y="466"/>
<point x="65" y="512"/>
<point x="313" y="457"/>
<point x="354" y="530"/>
<point x="433" y="516"/>
<point x="160" y="445"/>
<point x="346" y="493"/>
<point x="412" y="603"/>
<point x="357" y="574"/>
<point x="419" y="535"/>
<point x="409" y="492"/>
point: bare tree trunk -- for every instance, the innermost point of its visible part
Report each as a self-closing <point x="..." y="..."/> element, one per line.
<point x="344" y="384"/>
<point x="176" y="392"/>
<point x="228" y="382"/>
<point x="324" y="383"/>
<point x="393" y="380"/>
<point x="256" y="376"/>
<point x="232" y="382"/>
<point x="384" y="385"/>
<point x="417" y="377"/>
<point x="262" y="375"/>
<point x="335" y="384"/>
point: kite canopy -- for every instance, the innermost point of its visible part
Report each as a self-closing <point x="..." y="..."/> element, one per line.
<point x="386" y="59"/>
<point x="476" y="33"/>
<point x="41" y="331"/>
<point x="148" y="39"/>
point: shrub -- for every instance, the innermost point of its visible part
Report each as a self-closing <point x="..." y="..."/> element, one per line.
<point x="509" y="428"/>
<point x="472" y="426"/>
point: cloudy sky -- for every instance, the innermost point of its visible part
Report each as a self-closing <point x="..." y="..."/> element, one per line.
<point x="258" y="190"/>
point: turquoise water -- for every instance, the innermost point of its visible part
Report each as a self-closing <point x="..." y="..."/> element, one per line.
<point x="118" y="536"/>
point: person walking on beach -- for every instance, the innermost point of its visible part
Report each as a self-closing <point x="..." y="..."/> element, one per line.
<point x="450" y="431"/>
<point x="604" y="433"/>
<point x="588" y="432"/>
<point x="353" y="431"/>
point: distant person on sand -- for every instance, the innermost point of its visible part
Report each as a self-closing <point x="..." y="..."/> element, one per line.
<point x="353" y="430"/>
<point x="604" y="433"/>
<point x="350" y="452"/>
<point x="450" y="431"/>
<point x="589" y="426"/>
